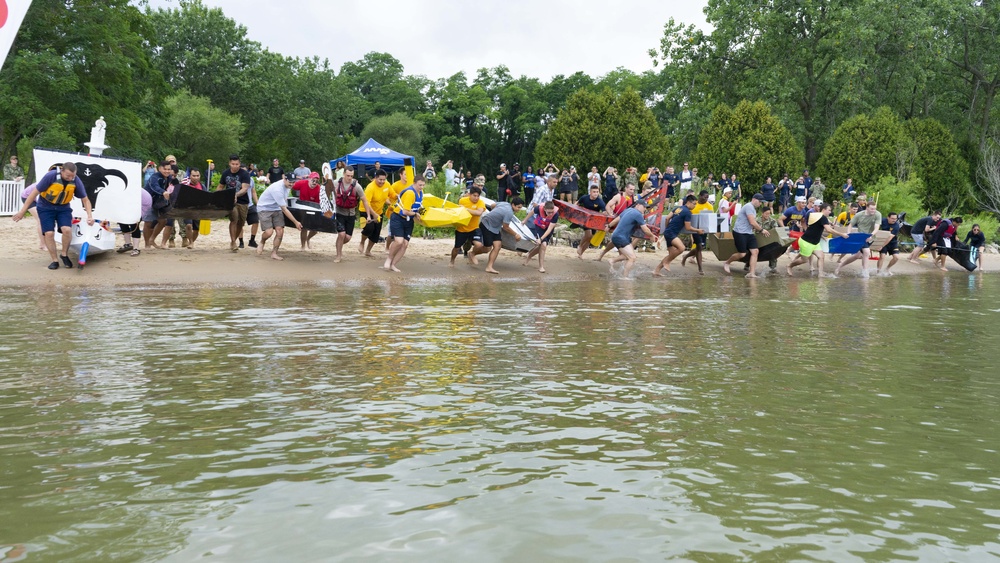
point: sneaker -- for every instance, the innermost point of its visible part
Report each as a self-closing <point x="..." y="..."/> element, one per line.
<point x="252" y="243"/>
<point x="241" y="243"/>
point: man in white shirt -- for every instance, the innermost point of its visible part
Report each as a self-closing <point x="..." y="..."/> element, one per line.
<point x="272" y="207"/>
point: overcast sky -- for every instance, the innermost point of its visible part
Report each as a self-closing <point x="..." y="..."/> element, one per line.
<point x="437" y="38"/>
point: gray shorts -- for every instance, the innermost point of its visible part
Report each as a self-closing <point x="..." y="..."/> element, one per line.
<point x="271" y="219"/>
<point x="918" y="239"/>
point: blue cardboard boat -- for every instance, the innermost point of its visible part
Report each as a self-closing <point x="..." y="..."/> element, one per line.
<point x="849" y="245"/>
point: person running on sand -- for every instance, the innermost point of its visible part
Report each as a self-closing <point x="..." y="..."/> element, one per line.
<point x="541" y="224"/>
<point x="593" y="202"/>
<point x="348" y="194"/>
<point x="743" y="234"/>
<point x="680" y="220"/>
<point x="470" y="233"/>
<point x="618" y="204"/>
<point x="378" y="193"/>
<point x="700" y="241"/>
<point x="868" y="220"/>
<point x="57" y="189"/>
<point x="623" y="226"/>
<point x="272" y="207"/>
<point x="891" y="249"/>
<point x="410" y="202"/>
<point x="490" y="227"/>
<point x="817" y="224"/>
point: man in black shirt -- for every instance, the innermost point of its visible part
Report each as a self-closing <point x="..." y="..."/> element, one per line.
<point x="236" y="179"/>
<point x="275" y="172"/>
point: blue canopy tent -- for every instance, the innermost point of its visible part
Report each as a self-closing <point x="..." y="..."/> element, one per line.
<point x="373" y="151"/>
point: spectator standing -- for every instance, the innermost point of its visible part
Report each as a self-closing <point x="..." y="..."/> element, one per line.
<point x="275" y="172"/>
<point x="13" y="172"/>
<point x="429" y="173"/>
<point x="302" y="172"/>
<point x="610" y="183"/>
<point x="529" y="183"/>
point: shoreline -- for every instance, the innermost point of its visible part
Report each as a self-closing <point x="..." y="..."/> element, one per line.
<point x="212" y="263"/>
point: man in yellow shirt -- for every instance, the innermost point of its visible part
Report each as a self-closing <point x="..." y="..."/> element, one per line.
<point x="845" y="216"/>
<point x="397" y="188"/>
<point x="401" y="222"/>
<point x="470" y="232"/>
<point x="699" y="240"/>
<point x="378" y="193"/>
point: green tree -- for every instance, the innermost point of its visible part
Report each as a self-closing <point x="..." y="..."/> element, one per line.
<point x="939" y="164"/>
<point x="747" y="140"/>
<point x="197" y="131"/>
<point x="602" y="129"/>
<point x="399" y="132"/>
<point x="864" y="148"/>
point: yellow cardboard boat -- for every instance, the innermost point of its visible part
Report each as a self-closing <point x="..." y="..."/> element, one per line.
<point x="434" y="217"/>
<point x="434" y="201"/>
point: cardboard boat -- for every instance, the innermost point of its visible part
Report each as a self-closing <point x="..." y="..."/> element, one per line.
<point x="723" y="245"/>
<point x="583" y="217"/>
<point x="527" y="242"/>
<point x="434" y="217"/>
<point x="88" y="240"/>
<point x="192" y="203"/>
<point x="312" y="219"/>
<point x="961" y="253"/>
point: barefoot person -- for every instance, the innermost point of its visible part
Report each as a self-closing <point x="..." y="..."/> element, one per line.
<point x="744" y="234"/>
<point x="924" y="227"/>
<point x="817" y="224"/>
<point x="272" y="207"/>
<point x="347" y="193"/>
<point x="623" y="226"/>
<point x="236" y="179"/>
<point x="378" y="193"/>
<point x="541" y="224"/>
<point x="401" y="222"/>
<point x="868" y="220"/>
<point x="680" y="220"/>
<point x="594" y="202"/>
<point x="490" y="227"/>
<point x="469" y="233"/>
<point x="700" y="241"/>
<point x="891" y="249"/>
<point x="57" y="189"/>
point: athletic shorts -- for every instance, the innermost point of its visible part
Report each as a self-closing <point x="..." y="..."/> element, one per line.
<point x="669" y="237"/>
<point x="489" y="237"/>
<point x="807" y="249"/>
<point x="345" y="223"/>
<point x="745" y="242"/>
<point x="539" y="232"/>
<point x="400" y="227"/>
<point x="49" y="217"/>
<point x="891" y="248"/>
<point x="195" y="223"/>
<point x="239" y="213"/>
<point x="472" y="236"/>
<point x="917" y="239"/>
<point x="271" y="219"/>
<point x="372" y="230"/>
<point x="622" y="242"/>
<point x="252" y="216"/>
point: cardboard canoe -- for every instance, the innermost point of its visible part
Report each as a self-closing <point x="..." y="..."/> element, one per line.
<point x="192" y="203"/>
<point x="583" y="217"/>
<point x="311" y="217"/>
<point x="434" y="217"/>
<point x="723" y="245"/>
<point x="527" y="242"/>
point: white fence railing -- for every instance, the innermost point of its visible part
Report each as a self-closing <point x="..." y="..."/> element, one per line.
<point x="10" y="197"/>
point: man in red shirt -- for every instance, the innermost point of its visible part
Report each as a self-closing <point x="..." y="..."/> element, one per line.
<point x="308" y="190"/>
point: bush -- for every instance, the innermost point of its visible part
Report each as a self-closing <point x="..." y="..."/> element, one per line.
<point x="939" y="162"/>
<point x="899" y="197"/>
<point x="864" y="148"/>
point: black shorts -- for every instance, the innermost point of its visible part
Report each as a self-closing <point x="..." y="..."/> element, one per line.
<point x="472" y="236"/>
<point x="891" y="248"/>
<point x="252" y="217"/>
<point x="345" y="223"/>
<point x="489" y="237"/>
<point x="372" y="230"/>
<point x="744" y="242"/>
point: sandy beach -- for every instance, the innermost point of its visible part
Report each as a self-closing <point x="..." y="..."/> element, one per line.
<point x="212" y="263"/>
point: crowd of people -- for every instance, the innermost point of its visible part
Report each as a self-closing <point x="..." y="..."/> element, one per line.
<point x="629" y="200"/>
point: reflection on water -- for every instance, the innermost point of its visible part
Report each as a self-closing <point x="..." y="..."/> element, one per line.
<point x="786" y="419"/>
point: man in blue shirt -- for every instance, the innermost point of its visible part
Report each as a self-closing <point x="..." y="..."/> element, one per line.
<point x="593" y="202"/>
<point x="767" y="190"/>
<point x="57" y="189"/>
<point x="623" y="226"/>
<point x="680" y="220"/>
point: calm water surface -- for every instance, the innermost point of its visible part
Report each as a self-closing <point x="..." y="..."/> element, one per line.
<point x="628" y="421"/>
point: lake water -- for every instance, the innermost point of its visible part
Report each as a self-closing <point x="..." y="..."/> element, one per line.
<point x="842" y="420"/>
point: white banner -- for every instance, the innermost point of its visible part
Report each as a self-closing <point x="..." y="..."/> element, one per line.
<point x="114" y="185"/>
<point x="11" y="15"/>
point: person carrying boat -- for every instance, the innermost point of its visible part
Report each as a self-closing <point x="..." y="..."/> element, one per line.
<point x="891" y="249"/>
<point x="744" y="234"/>
<point x="700" y="240"/>
<point x="816" y="225"/>
<point x="680" y="220"/>
<point x="57" y="189"/>
<point x="160" y="186"/>
<point x="924" y="227"/>
<point x="541" y="224"/>
<point x="868" y="220"/>
<point x="623" y="200"/>
<point x="309" y="191"/>
<point x="408" y="204"/>
<point x="943" y="240"/>
<point x="347" y="193"/>
<point x="191" y="226"/>
<point x="470" y="234"/>
<point x="378" y="193"/>
<point x="623" y="225"/>
<point x="592" y="202"/>
<point x="976" y="240"/>
<point x="272" y="207"/>
<point x="490" y="227"/>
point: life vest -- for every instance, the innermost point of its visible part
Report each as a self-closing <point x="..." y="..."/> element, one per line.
<point x="418" y="201"/>
<point x="624" y="203"/>
<point x="346" y="199"/>
<point x="543" y="222"/>
<point x="59" y="191"/>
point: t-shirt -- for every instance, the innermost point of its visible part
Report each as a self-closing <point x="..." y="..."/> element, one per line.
<point x="844" y="218"/>
<point x="593" y="204"/>
<point x="800" y="189"/>
<point x="671" y="180"/>
<point x="593" y="179"/>
<point x="817" y="224"/>
<point x="686" y="178"/>
<point x="275" y="173"/>
<point x="466" y="202"/>
<point x="628" y="221"/>
<point x="53" y="182"/>
<point x="893" y="228"/>
<point x="681" y="215"/>
<point x="450" y="177"/>
<point x="921" y="225"/>
<point x="408" y="199"/>
<point x="274" y="198"/>
<point x="529" y="180"/>
<point x="377" y="197"/>
<point x="302" y="172"/>
<point x="498" y="217"/>
<point x="234" y="181"/>
<point x="794" y="214"/>
<point x="866" y="223"/>
<point x="767" y="190"/>
<point x="742" y="225"/>
<point x="306" y="192"/>
<point x="706" y="207"/>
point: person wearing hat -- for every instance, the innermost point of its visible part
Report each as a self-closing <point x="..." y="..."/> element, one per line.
<point x="794" y="216"/>
<point x="272" y="206"/>
<point x="726" y="206"/>
<point x="623" y="226"/>
<point x="302" y="172"/>
<point x="744" y="235"/>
